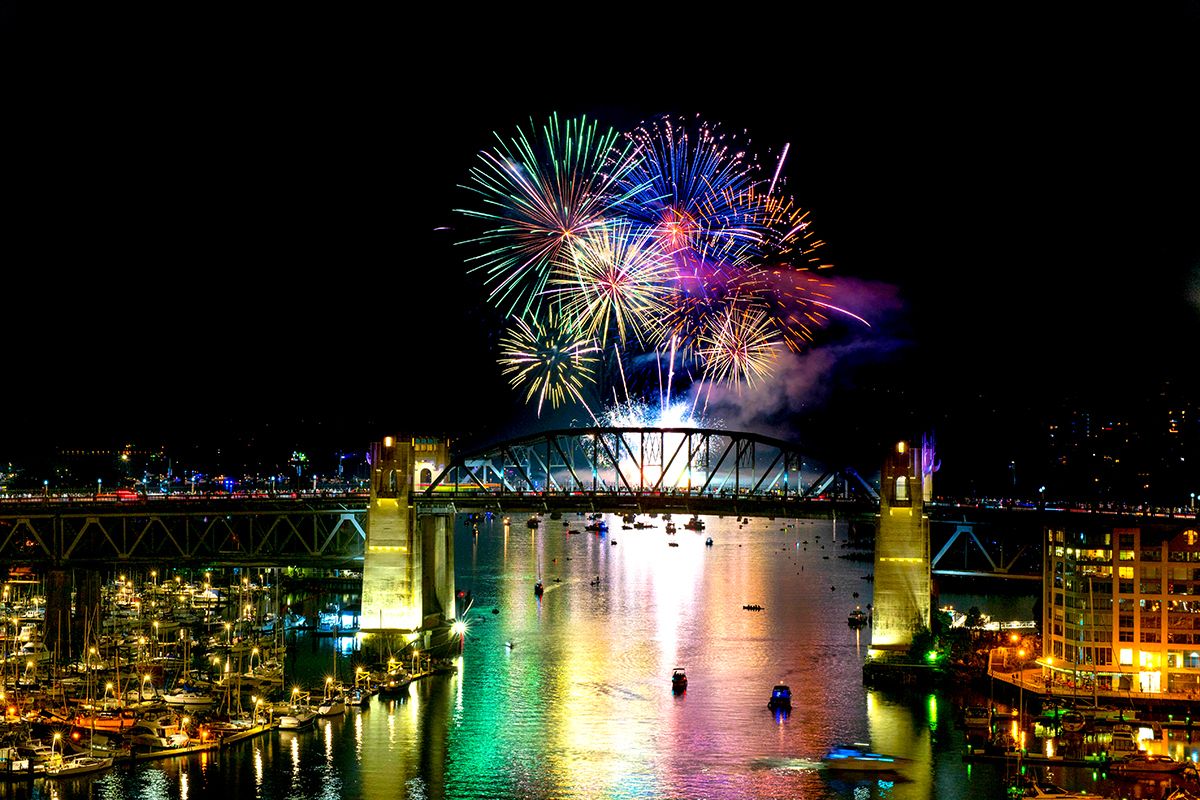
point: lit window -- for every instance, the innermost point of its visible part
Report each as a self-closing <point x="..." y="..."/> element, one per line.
<point x="901" y="488"/>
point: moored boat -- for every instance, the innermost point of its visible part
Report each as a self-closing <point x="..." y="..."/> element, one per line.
<point x="679" y="680"/>
<point x="857" y="618"/>
<point x="1146" y="762"/>
<point x="76" y="765"/>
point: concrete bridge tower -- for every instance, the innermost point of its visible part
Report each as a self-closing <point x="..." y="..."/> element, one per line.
<point x="902" y="579"/>
<point x="408" y="563"/>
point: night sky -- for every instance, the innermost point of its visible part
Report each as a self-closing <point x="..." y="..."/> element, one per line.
<point x="230" y="251"/>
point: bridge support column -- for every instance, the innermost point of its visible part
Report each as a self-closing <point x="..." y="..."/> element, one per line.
<point x="57" y="633"/>
<point x="65" y="630"/>
<point x="902" y="572"/>
<point x="406" y="559"/>
<point x="437" y="549"/>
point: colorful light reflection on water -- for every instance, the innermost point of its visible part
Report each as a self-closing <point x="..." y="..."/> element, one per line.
<point x="581" y="706"/>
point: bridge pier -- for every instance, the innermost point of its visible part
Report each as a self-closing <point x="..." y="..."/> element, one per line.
<point x="902" y="571"/>
<point x="408" y="561"/>
<point x="65" y="631"/>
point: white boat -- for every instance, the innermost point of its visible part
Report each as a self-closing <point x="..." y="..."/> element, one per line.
<point x="76" y="765"/>
<point x="298" y="718"/>
<point x="188" y="697"/>
<point x="163" y="733"/>
<point x="1145" y="762"/>
<point x="858" y="758"/>
<point x="332" y="706"/>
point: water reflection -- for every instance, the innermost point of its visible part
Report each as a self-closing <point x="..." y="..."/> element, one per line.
<point x="581" y="706"/>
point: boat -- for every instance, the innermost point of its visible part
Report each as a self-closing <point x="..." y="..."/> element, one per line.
<point x="599" y="526"/>
<point x="332" y="706"/>
<point x="694" y="524"/>
<point x="679" y="680"/>
<point x="76" y="765"/>
<point x="752" y="607"/>
<point x="298" y="718"/>
<point x="858" y="758"/>
<point x="188" y="696"/>
<point x="781" y="698"/>
<point x="1073" y="721"/>
<point x="857" y="618"/>
<point x="977" y="716"/>
<point x="538" y="589"/>
<point x="672" y="544"/>
<point x="708" y="542"/>
<point x="1145" y="762"/>
<point x="533" y="522"/>
<point x="670" y="527"/>
<point x="1028" y="787"/>
<point x="161" y="732"/>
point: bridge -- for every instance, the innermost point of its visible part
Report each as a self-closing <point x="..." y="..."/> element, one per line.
<point x="402" y="533"/>
<point x="619" y="470"/>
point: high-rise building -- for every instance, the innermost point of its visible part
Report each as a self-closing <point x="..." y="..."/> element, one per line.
<point x="1122" y="606"/>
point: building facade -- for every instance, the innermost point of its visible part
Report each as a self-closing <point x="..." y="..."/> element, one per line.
<point x="1122" y="606"/>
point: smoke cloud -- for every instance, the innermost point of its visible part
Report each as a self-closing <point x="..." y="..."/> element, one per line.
<point x="802" y="382"/>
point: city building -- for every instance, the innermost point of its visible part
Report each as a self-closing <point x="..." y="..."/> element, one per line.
<point x="1121" y="606"/>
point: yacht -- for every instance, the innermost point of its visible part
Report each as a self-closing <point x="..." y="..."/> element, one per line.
<point x="332" y="706"/>
<point x="161" y="732"/>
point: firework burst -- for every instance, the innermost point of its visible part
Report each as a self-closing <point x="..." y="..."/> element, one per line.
<point x="550" y="358"/>
<point x="617" y="279"/>
<point x="741" y="347"/>
<point x="683" y="186"/>
<point x="539" y="196"/>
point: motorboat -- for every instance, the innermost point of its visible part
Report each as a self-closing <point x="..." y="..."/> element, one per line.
<point x="670" y="527"/>
<point x="1146" y="762"/>
<point x="679" y="680"/>
<point x="533" y="522"/>
<point x="708" y="542"/>
<point x="76" y="765"/>
<point x="298" y="718"/>
<point x="858" y="758"/>
<point x="1028" y="787"/>
<point x="162" y="732"/>
<point x="694" y="524"/>
<point x="781" y="698"/>
<point x="857" y="619"/>
<point x="538" y="589"/>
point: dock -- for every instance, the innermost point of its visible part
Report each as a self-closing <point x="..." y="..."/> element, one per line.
<point x="1036" y="758"/>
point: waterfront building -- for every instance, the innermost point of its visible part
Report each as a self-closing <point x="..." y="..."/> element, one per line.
<point x="1121" y="606"/>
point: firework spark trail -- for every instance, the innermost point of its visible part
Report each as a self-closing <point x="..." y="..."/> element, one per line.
<point x="778" y="168"/>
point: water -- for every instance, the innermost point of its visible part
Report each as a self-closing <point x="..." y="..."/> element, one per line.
<point x="581" y="705"/>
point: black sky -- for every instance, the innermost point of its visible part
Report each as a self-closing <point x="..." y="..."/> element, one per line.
<point x="247" y="245"/>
